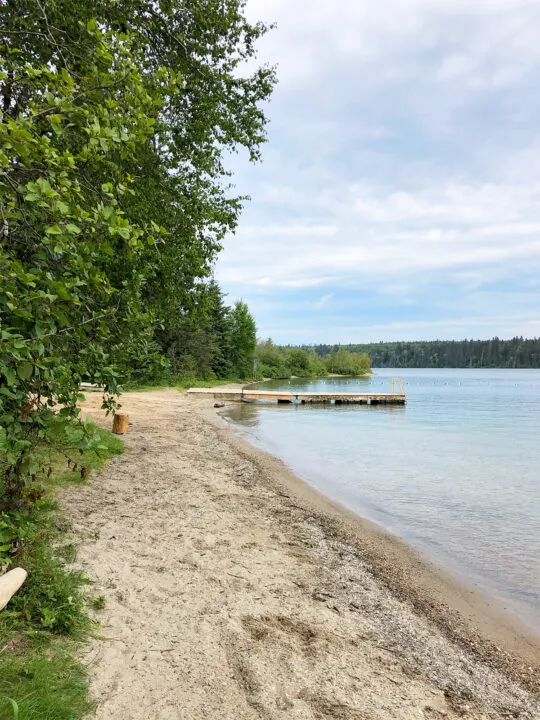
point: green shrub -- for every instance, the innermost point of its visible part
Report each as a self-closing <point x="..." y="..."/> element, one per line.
<point x="40" y="678"/>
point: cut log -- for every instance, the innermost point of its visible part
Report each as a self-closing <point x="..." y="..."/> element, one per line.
<point x="120" y="424"/>
<point x="9" y="584"/>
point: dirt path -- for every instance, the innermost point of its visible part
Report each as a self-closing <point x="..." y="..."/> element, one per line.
<point x="226" y="599"/>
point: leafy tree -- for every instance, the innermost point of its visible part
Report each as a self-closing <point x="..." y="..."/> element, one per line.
<point x="60" y="229"/>
<point x="343" y="362"/>
<point x="281" y="362"/>
<point x="243" y="339"/>
<point x="114" y="121"/>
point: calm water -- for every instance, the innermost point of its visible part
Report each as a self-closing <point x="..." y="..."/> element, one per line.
<point x="456" y="472"/>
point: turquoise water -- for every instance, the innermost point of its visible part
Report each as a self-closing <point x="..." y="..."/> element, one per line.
<point x="456" y="472"/>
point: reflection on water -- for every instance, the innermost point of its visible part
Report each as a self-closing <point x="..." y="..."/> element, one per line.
<point x="248" y="413"/>
<point x="456" y="472"/>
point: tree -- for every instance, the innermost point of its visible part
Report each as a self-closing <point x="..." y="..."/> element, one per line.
<point x="344" y="362"/>
<point x="62" y="221"/>
<point x="196" y="340"/>
<point x="114" y="122"/>
<point x="243" y="339"/>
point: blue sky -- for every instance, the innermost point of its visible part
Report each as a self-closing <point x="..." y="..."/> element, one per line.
<point x="399" y="193"/>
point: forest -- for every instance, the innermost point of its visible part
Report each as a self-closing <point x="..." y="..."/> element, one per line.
<point x="518" y="352"/>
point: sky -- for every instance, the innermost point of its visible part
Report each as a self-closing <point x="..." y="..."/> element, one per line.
<point x="399" y="193"/>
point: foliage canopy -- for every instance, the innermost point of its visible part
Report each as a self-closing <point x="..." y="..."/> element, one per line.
<point x="115" y="120"/>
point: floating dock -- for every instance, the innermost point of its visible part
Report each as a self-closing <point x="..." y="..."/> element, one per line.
<point x="285" y="396"/>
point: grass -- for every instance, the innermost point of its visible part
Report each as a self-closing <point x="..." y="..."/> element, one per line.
<point x="44" y="682"/>
<point x="182" y="384"/>
<point x="91" y="460"/>
<point x="186" y="383"/>
<point x="42" y="627"/>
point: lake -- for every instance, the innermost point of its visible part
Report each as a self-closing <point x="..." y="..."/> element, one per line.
<point x="456" y="472"/>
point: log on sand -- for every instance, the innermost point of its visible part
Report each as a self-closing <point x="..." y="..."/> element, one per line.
<point x="120" y="424"/>
<point x="9" y="584"/>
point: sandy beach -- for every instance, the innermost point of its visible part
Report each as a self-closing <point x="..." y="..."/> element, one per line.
<point x="234" y="590"/>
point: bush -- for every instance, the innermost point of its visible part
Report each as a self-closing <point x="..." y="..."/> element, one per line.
<point x="40" y="677"/>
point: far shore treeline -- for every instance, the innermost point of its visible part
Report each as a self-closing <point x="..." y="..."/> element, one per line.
<point x="518" y="352"/>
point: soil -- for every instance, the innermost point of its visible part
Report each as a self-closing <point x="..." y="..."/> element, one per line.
<point x="234" y="591"/>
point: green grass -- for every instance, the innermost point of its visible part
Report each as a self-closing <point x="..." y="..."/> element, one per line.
<point x="186" y="383"/>
<point x="43" y="625"/>
<point x="98" y="603"/>
<point x="182" y="384"/>
<point x="43" y="681"/>
<point x="90" y="459"/>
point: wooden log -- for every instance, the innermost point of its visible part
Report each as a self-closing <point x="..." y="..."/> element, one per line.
<point x="120" y="424"/>
<point x="9" y="584"/>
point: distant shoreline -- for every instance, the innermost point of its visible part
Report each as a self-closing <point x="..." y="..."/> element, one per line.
<point x="516" y="353"/>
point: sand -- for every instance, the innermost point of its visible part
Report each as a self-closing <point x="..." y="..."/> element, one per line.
<point x="235" y="591"/>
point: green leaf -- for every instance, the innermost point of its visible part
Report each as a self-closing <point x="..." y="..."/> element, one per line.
<point x="61" y="317"/>
<point x="25" y="370"/>
<point x="10" y="376"/>
<point x="73" y="229"/>
<point x="53" y="230"/>
<point x="40" y="330"/>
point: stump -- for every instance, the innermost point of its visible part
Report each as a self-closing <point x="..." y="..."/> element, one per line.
<point x="120" y="424"/>
<point x="9" y="584"/>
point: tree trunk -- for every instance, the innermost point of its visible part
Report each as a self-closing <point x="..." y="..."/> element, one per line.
<point x="120" y="424"/>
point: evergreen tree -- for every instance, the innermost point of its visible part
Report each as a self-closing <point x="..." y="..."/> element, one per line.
<point x="243" y="339"/>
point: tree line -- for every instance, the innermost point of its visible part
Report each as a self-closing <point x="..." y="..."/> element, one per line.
<point x="116" y="120"/>
<point x="518" y="352"/>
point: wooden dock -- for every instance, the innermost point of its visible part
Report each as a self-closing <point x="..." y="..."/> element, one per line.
<point x="285" y="396"/>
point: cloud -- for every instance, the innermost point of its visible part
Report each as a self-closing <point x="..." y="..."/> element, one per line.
<point x="403" y="153"/>
<point x="377" y="235"/>
<point x="323" y="301"/>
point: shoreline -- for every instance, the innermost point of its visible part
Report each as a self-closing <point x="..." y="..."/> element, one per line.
<point x="469" y="616"/>
<point x="484" y="599"/>
<point x="233" y="589"/>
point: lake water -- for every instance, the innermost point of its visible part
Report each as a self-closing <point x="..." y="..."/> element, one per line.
<point x="456" y="472"/>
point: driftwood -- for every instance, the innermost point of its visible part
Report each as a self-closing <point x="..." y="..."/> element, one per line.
<point x="120" y="424"/>
<point x="9" y="584"/>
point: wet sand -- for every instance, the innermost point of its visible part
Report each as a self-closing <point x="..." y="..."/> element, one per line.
<point x="235" y="590"/>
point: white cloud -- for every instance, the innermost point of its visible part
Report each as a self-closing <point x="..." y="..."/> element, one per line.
<point x="404" y="153"/>
<point x="378" y="235"/>
<point x="323" y="301"/>
<point x="294" y="230"/>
